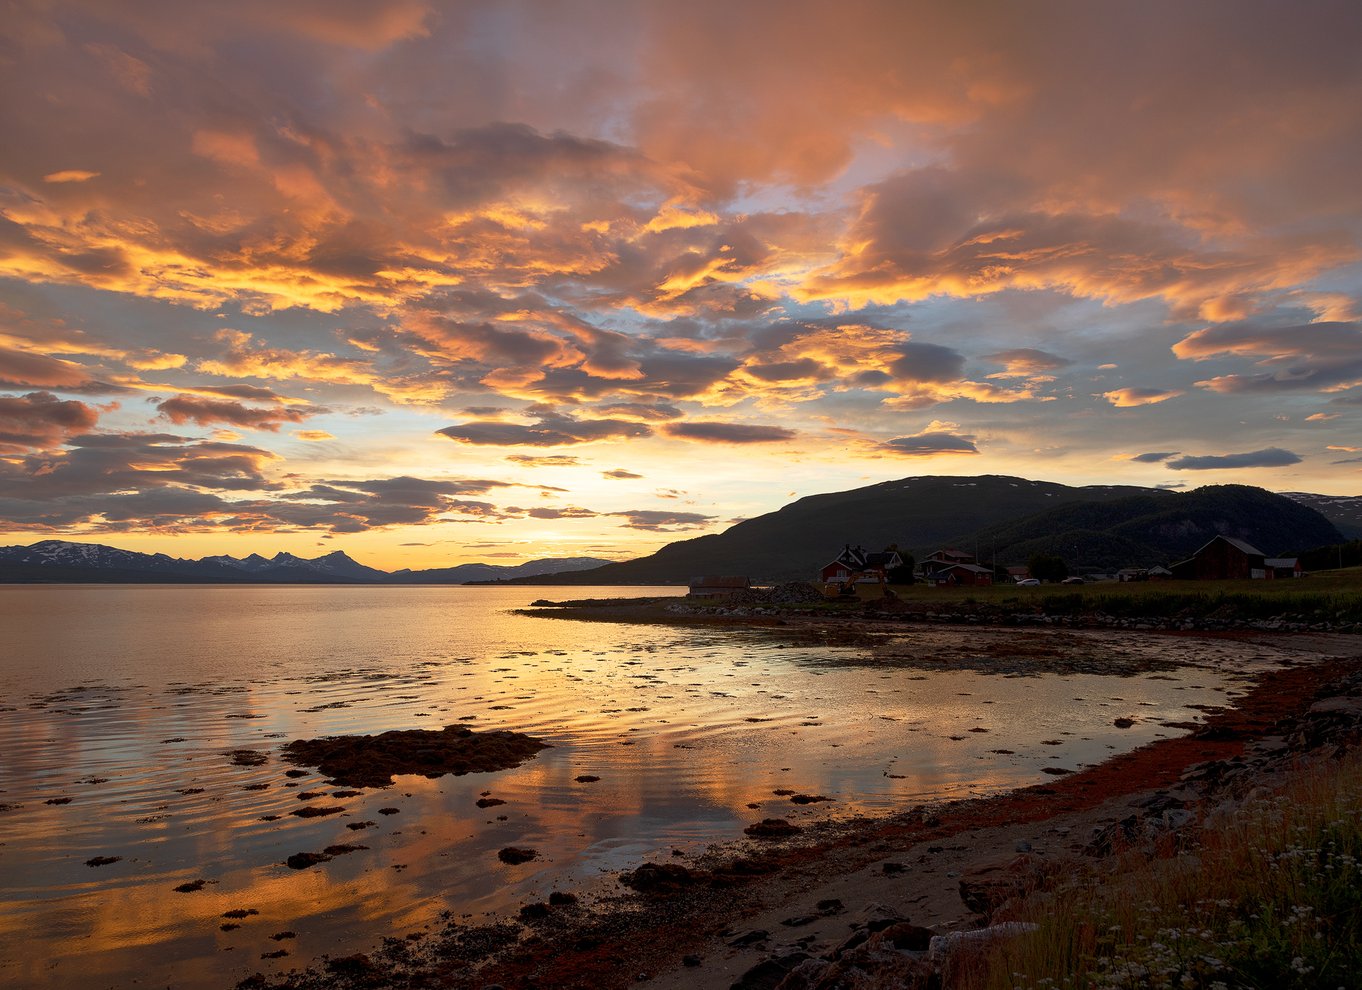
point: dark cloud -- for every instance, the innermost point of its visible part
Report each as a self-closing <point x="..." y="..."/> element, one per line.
<point x="1268" y="457"/>
<point x="728" y="432"/>
<point x="620" y="474"/>
<point x="927" y="363"/>
<point x="1312" y="356"/>
<point x="171" y="506"/>
<point x="251" y="393"/>
<point x="39" y="420"/>
<point x="25" y="369"/>
<point x="136" y="461"/>
<point x="929" y="443"/>
<point x="661" y="521"/>
<point x="550" y="431"/>
<point x="784" y="371"/>
<point x="205" y="412"/>
<point x="1154" y="456"/>
<point x="641" y="410"/>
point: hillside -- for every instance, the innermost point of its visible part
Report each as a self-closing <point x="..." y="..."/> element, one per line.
<point x="1003" y="518"/>
<point x="1143" y="530"/>
<point x="919" y="514"/>
<point x="1344" y="511"/>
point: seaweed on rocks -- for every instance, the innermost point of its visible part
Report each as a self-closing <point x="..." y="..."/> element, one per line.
<point x="371" y="761"/>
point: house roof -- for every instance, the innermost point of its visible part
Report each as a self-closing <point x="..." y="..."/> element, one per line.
<point x="884" y="558"/>
<point x="973" y="568"/>
<point x="1280" y="561"/>
<point x="1240" y="545"/>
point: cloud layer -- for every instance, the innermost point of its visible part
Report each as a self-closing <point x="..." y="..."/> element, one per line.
<point x="253" y="252"/>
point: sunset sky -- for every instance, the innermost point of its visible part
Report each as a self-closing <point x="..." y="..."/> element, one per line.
<point x="439" y="282"/>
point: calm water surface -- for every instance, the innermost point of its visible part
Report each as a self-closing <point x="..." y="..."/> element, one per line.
<point x="120" y="708"/>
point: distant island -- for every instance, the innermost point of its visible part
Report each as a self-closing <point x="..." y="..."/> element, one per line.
<point x="1001" y="520"/>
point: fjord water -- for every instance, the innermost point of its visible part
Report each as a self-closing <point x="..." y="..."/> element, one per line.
<point x="121" y="708"/>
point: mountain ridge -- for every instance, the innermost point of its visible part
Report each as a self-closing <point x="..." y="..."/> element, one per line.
<point x="1002" y="518"/>
<point x="67" y="561"/>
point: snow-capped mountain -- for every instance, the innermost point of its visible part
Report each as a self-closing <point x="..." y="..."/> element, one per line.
<point x="337" y="564"/>
<point x="62" y="560"/>
<point x="1344" y="511"/>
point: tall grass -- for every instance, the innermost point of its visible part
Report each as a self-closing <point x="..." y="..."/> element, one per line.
<point x="1334" y="596"/>
<point x="1270" y="899"/>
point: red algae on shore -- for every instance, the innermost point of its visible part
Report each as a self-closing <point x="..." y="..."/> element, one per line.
<point x="371" y="761"/>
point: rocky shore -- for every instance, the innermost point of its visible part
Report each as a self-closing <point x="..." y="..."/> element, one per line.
<point x="887" y="901"/>
<point x="802" y="602"/>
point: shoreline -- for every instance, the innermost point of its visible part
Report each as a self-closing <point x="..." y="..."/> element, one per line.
<point x="696" y="923"/>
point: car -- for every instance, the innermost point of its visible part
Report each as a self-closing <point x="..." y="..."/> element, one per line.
<point x="1028" y="583"/>
<point x="1073" y="580"/>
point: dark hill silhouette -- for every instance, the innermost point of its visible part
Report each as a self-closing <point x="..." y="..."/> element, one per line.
<point x="918" y="514"/>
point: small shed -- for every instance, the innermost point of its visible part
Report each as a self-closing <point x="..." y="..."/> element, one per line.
<point x="717" y="586"/>
<point x="1283" y="567"/>
<point x="1223" y="558"/>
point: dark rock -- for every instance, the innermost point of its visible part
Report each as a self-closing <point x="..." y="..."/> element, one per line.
<point x="301" y="861"/>
<point x="691" y="961"/>
<point x="830" y="906"/>
<point x="749" y="938"/>
<point x="488" y="802"/>
<point x="514" y="856"/>
<point x="371" y="761"/>
<point x="341" y="848"/>
<point x="561" y="898"/>
<point x="907" y="937"/>
<point x="317" y="811"/>
<point x="535" y="911"/>
<point x="769" y="973"/>
<point x="586" y="778"/>
<point x="808" y="798"/>
<point x="772" y="828"/>
<point x="658" y="878"/>
<point x="890" y="869"/>
<point x="356" y="965"/>
<point x="190" y="887"/>
<point x="103" y="860"/>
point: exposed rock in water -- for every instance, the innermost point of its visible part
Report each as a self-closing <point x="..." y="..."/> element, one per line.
<point x="301" y="861"/>
<point x="515" y="856"/>
<point x="371" y="761"/>
<point x="772" y="828"/>
<point x="248" y="757"/>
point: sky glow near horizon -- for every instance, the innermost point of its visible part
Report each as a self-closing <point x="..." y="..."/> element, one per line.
<point x="434" y="282"/>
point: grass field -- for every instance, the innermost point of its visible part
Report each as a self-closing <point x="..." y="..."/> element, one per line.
<point x="1325" y="595"/>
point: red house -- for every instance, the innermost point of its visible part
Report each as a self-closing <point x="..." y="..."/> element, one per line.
<point x="1223" y="558"/>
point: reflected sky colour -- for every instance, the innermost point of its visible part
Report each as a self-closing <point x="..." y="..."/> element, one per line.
<point x="122" y="710"/>
<point x="440" y="282"/>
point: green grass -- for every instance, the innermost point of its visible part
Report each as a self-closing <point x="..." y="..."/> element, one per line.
<point x="1271" y="899"/>
<point x="1333" y="595"/>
